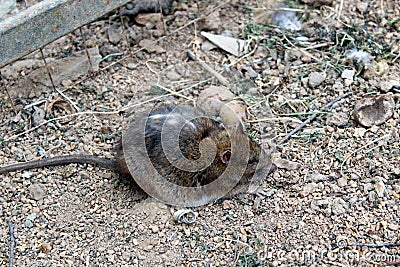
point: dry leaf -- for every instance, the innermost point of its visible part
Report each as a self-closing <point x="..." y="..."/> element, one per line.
<point x="56" y="100"/>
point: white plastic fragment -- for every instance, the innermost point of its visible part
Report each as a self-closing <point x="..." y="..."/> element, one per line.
<point x="231" y="45"/>
<point x="185" y="216"/>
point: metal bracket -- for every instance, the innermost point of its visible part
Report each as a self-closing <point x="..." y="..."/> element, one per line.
<point x="47" y="21"/>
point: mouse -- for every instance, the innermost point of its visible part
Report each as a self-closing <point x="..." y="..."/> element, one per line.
<point x="194" y="127"/>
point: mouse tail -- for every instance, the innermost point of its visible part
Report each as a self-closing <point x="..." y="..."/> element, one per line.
<point x="60" y="160"/>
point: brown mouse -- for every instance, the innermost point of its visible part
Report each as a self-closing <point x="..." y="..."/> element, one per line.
<point x="193" y="128"/>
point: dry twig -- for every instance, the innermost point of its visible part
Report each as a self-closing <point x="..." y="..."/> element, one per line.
<point x="12" y="243"/>
<point x="53" y="85"/>
<point x="295" y="130"/>
<point x="172" y="92"/>
<point x="361" y="148"/>
<point x="91" y="113"/>
<point x="210" y="70"/>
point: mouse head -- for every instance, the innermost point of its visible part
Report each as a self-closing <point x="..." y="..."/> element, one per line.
<point x="224" y="141"/>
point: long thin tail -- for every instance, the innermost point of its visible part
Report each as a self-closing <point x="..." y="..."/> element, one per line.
<point x="60" y="160"/>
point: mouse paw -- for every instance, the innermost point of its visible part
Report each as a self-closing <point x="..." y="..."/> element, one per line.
<point x="260" y="193"/>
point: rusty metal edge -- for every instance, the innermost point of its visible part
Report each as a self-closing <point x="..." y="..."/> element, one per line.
<point x="45" y="22"/>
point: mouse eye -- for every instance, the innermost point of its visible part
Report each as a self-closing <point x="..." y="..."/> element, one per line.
<point x="225" y="156"/>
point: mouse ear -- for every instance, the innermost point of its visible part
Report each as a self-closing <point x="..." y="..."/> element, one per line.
<point x="226" y="156"/>
<point x="240" y="128"/>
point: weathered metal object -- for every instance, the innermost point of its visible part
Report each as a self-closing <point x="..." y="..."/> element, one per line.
<point x="45" y="22"/>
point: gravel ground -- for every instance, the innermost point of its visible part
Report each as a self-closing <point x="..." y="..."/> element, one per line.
<point x="333" y="200"/>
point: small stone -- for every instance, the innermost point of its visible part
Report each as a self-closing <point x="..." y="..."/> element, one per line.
<point x="306" y="59"/>
<point x="114" y="34"/>
<point x="149" y="19"/>
<point x="353" y="200"/>
<point x="131" y="66"/>
<point x="348" y="82"/>
<point x="249" y="213"/>
<point x="226" y="204"/>
<point x="37" y="191"/>
<point x="157" y="33"/>
<point x="187" y="232"/>
<point x="154" y="228"/>
<point x="141" y="257"/>
<point x="151" y="46"/>
<point x="393" y="227"/>
<point x="338" y="86"/>
<point x="380" y="187"/>
<point x="362" y="6"/>
<point x="323" y="202"/>
<point x="372" y="196"/>
<point x="359" y="132"/>
<point x="28" y="224"/>
<point x="339" y="206"/>
<point x="389" y="235"/>
<point x="374" y="129"/>
<point x="173" y="75"/>
<point x="38" y="115"/>
<point x="286" y="164"/>
<point x="111" y="258"/>
<point x="211" y="22"/>
<point x="213" y="98"/>
<point x="46" y="247"/>
<point x="26" y="175"/>
<point x="66" y="83"/>
<point x="348" y="74"/>
<point x="338" y="119"/>
<point x="270" y="192"/>
<point x="368" y="187"/>
<point x="125" y="255"/>
<point x="353" y="184"/>
<point x="309" y="189"/>
<point x="316" y="78"/>
<point x="304" y="81"/>
<point x="249" y="72"/>
<point x="342" y="182"/>
<point x="389" y="83"/>
<point x="253" y="91"/>
<point x="30" y="219"/>
<point x="374" y="110"/>
<point x="318" y="177"/>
